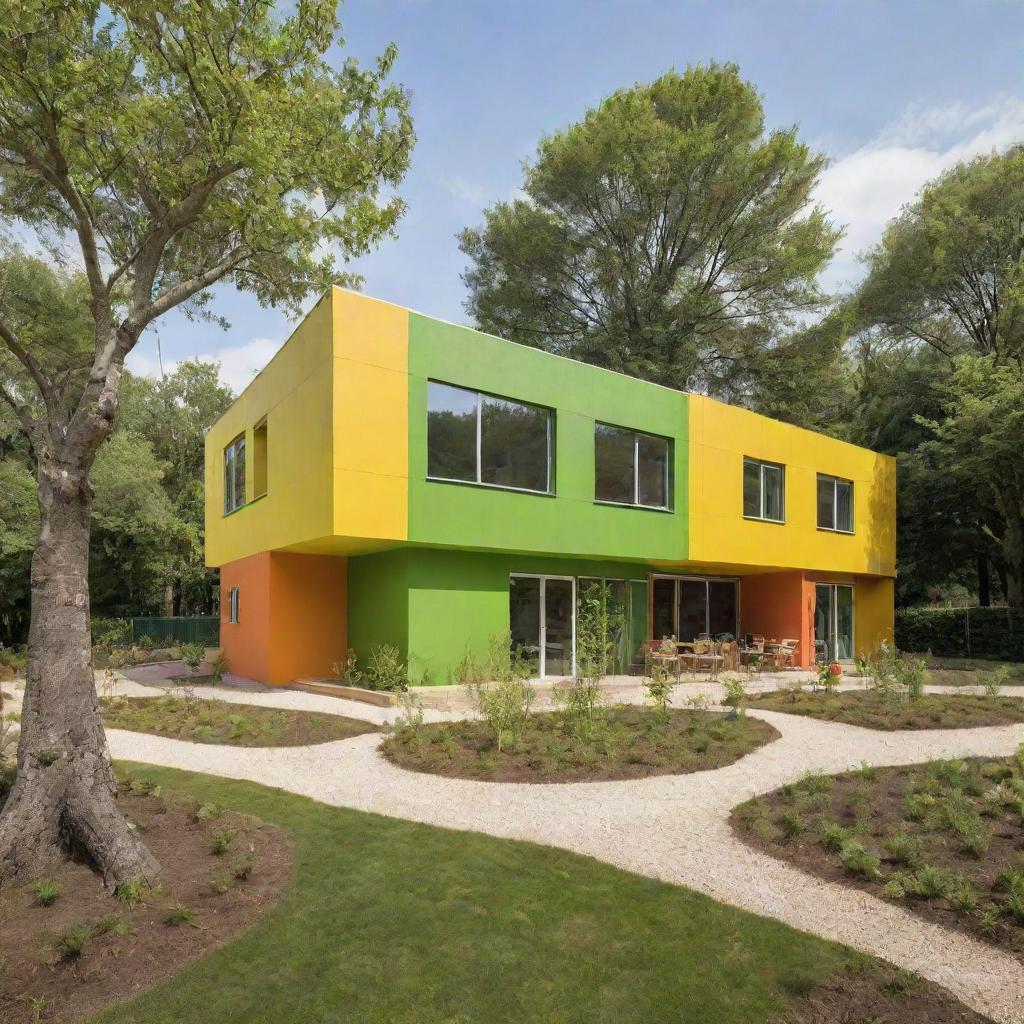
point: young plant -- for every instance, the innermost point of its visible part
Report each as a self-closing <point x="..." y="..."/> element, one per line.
<point x="347" y="672"/>
<point x="45" y="892"/>
<point x="131" y="892"/>
<point x="179" y="914"/>
<point x="387" y="670"/>
<point x="192" y="655"/>
<point x="857" y="860"/>
<point x="221" y="841"/>
<point x="992" y="682"/>
<point x="659" y="687"/>
<point x="505" y="707"/>
<point x="72" y="942"/>
<point x="218" y="667"/>
<point x="411" y="717"/>
<point x="734" y="696"/>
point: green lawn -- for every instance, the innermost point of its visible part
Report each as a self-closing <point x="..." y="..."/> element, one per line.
<point x="971" y="671"/>
<point x="397" y="923"/>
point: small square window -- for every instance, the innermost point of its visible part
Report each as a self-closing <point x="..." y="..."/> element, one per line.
<point x="835" y="504"/>
<point x="764" y="490"/>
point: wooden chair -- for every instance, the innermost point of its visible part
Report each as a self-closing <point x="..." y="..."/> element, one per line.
<point x="653" y="652"/>
<point x="789" y="654"/>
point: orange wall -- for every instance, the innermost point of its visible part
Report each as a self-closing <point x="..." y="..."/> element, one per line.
<point x="292" y="616"/>
<point x="246" y="644"/>
<point x="771" y="605"/>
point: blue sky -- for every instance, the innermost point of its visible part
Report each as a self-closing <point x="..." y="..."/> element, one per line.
<point x="892" y="92"/>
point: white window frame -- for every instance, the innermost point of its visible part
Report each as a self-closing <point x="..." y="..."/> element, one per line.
<point x="233" y="606"/>
<point x="479" y="481"/>
<point x="761" y="465"/>
<point x="637" y="436"/>
<point x="836" y="481"/>
<point x="542" y="638"/>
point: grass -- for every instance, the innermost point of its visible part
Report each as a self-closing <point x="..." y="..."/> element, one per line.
<point x="408" y="924"/>
<point x="216" y="721"/>
<point x="874" y="710"/>
<point x="945" y="839"/>
<point x="972" y="671"/>
<point x="620" y="743"/>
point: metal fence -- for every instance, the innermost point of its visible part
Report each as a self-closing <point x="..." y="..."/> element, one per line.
<point x="192" y="629"/>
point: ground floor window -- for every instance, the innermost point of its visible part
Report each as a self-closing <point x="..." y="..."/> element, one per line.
<point x="833" y="621"/>
<point x="688" y="607"/>
<point x="542" y="622"/>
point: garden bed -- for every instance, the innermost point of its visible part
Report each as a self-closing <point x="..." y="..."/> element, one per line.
<point x="944" y="839"/>
<point x="217" y="721"/>
<point x="87" y="949"/>
<point x="621" y="743"/>
<point x="875" y="710"/>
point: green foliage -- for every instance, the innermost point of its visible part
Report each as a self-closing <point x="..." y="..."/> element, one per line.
<point x="386" y="670"/>
<point x="347" y="672"/>
<point x="992" y="682"/>
<point x="222" y="841"/>
<point x="718" y="239"/>
<point x="179" y="914"/>
<point x="192" y="655"/>
<point x="45" y="892"/>
<point x="734" y="695"/>
<point x="132" y="892"/>
<point x="599" y="625"/>
<point x="72" y="942"/>
<point x="505" y="706"/>
<point x="857" y="860"/>
<point x="834" y="837"/>
<point x="218" y="666"/>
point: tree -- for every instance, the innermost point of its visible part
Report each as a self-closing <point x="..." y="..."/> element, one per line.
<point x="173" y="145"/>
<point x="948" y="279"/>
<point x="667" y="235"/>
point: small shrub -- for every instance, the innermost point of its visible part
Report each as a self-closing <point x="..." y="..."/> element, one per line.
<point x="659" y="688"/>
<point x="867" y="772"/>
<point x="221" y="884"/>
<point x="387" y="669"/>
<point x="930" y="883"/>
<point x="72" y="942"/>
<point x="857" y="860"/>
<point x="242" y="868"/>
<point x="179" y="914"/>
<point x="964" y="898"/>
<point x="790" y="824"/>
<point x="992" y="682"/>
<point x="411" y="717"/>
<point x="192" y="655"/>
<point x="218" y="667"/>
<point x="834" y="837"/>
<point x="106" y="925"/>
<point x="505" y="707"/>
<point x="207" y="811"/>
<point x="904" y="848"/>
<point x="221" y="841"/>
<point x="347" y="672"/>
<point x="896" y="887"/>
<point x="132" y="892"/>
<point x="734" y="696"/>
<point x="45" y="892"/>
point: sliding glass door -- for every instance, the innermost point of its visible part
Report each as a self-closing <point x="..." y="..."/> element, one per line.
<point x="542" y="622"/>
<point x="688" y="607"/>
<point x="833" y="620"/>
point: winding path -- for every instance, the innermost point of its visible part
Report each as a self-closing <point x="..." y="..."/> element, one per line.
<point x="673" y="828"/>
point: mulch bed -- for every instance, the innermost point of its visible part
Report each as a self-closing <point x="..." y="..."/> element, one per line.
<point x="623" y="743"/>
<point x="130" y="950"/>
<point x="217" y="721"/>
<point x="873" y="710"/>
<point x="945" y="840"/>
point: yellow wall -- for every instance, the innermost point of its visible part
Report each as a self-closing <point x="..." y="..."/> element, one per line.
<point x="294" y="393"/>
<point x="873" y="616"/>
<point x="721" y="435"/>
<point x="371" y="418"/>
<point x="335" y="398"/>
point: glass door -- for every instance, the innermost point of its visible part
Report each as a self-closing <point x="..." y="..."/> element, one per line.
<point x="558" y="627"/>
<point x="542" y="622"/>
<point x="833" y="621"/>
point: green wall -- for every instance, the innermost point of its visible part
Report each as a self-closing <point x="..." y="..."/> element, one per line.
<point x="436" y="604"/>
<point x="570" y="523"/>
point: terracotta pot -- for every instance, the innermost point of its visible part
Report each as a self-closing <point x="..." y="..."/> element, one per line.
<point x="835" y="669"/>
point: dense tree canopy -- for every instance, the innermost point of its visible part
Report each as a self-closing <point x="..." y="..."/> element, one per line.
<point x="668" y="235"/>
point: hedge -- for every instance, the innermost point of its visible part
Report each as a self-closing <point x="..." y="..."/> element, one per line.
<point x="996" y="633"/>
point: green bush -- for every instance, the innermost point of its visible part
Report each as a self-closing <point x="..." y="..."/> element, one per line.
<point x="110" y="633"/>
<point x="386" y="670"/>
<point x="504" y="706"/>
<point x="994" y="633"/>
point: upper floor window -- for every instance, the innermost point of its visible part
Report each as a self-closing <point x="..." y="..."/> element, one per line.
<point x="835" y="504"/>
<point x="764" y="490"/>
<point x="483" y="439"/>
<point x="234" y="474"/>
<point x="631" y="468"/>
<point x="259" y="458"/>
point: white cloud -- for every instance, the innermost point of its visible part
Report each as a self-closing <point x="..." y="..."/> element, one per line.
<point x="867" y="187"/>
<point x="238" y="363"/>
<point x="467" y="192"/>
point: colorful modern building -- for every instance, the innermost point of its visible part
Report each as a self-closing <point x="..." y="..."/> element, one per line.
<point x="390" y="478"/>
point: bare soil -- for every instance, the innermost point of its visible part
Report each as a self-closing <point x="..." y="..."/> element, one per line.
<point x="217" y="721"/>
<point x="956" y="858"/>
<point x="622" y="743"/>
<point x="128" y="950"/>
<point x="873" y="710"/>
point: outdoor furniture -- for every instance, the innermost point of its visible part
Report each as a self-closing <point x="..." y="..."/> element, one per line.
<point x="654" y="653"/>
<point x="752" y="654"/>
<point x="706" y="656"/>
<point x="789" y="654"/>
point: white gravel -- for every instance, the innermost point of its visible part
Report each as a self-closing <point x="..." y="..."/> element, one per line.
<point x="674" y="828"/>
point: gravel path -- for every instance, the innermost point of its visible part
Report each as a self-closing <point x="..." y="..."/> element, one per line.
<point x="674" y="828"/>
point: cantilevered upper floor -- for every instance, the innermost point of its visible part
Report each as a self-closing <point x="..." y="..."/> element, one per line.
<point x="375" y="427"/>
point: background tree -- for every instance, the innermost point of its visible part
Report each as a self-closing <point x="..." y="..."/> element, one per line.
<point x="944" y="296"/>
<point x="667" y="235"/>
<point x="174" y="145"/>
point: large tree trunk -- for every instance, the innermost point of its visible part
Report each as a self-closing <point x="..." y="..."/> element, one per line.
<point x="1013" y="549"/>
<point x="64" y="795"/>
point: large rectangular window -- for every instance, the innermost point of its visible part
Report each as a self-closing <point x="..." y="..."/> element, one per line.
<point x="483" y="439"/>
<point x="835" y="504"/>
<point x="764" y="490"/>
<point x="234" y="474"/>
<point x="631" y="468"/>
